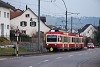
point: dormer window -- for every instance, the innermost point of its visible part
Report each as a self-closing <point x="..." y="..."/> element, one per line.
<point x="23" y="23"/>
<point x="27" y="15"/>
<point x="33" y="24"/>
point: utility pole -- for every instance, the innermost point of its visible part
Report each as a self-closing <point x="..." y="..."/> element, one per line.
<point x="39" y="25"/>
<point x="66" y="14"/>
<point x="66" y="20"/>
<point x="71" y="23"/>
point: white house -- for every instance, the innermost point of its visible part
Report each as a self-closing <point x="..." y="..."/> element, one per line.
<point x="27" y="22"/>
<point x="88" y="30"/>
<point x="4" y="19"/>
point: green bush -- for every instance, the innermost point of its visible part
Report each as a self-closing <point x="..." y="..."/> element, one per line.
<point x="2" y="39"/>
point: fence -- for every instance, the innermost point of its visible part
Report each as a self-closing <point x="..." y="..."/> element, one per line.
<point x="30" y="46"/>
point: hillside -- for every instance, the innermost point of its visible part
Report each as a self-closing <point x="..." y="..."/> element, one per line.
<point x="77" y="22"/>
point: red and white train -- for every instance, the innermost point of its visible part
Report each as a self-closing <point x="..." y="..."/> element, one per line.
<point x="63" y="41"/>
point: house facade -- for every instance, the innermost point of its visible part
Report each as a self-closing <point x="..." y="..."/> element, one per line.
<point x="27" y="22"/>
<point x="88" y="30"/>
<point x="5" y="19"/>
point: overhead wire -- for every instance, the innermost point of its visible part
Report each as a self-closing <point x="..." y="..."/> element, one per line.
<point x="30" y="4"/>
<point x="18" y="3"/>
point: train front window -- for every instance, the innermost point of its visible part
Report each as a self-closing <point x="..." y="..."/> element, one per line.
<point x="51" y="38"/>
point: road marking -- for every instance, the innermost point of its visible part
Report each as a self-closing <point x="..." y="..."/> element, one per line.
<point x="30" y="66"/>
<point x="58" y="57"/>
<point x="79" y="66"/>
<point x="3" y="59"/>
<point x="79" y="54"/>
<point x="70" y="55"/>
<point x="45" y="60"/>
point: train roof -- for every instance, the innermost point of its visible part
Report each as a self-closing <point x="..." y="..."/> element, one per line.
<point x="71" y="34"/>
<point x="64" y="33"/>
<point x="80" y="36"/>
<point x="54" y="32"/>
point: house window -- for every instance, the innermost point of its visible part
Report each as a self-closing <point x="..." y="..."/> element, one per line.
<point x="23" y="23"/>
<point x="0" y="13"/>
<point x="23" y="31"/>
<point x="33" y="24"/>
<point x="7" y="26"/>
<point x="88" y="31"/>
<point x="5" y="14"/>
<point x="27" y="15"/>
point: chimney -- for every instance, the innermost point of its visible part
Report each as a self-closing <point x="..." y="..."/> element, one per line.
<point x="26" y="7"/>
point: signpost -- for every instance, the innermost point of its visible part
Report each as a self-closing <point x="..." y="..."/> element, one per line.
<point x="17" y="34"/>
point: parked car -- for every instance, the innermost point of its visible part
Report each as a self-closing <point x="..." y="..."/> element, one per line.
<point x="90" y="45"/>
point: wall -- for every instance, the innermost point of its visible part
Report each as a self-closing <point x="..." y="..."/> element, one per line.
<point x="89" y="32"/>
<point x="5" y="21"/>
<point x="29" y="30"/>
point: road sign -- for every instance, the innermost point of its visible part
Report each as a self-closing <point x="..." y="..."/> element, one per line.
<point x="16" y="34"/>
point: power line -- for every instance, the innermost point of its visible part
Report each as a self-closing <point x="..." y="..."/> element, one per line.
<point x="44" y="11"/>
<point x="30" y="4"/>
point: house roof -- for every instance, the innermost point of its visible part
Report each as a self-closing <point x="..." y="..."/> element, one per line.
<point x="37" y="16"/>
<point x="85" y="27"/>
<point x="6" y="5"/>
<point x="15" y="13"/>
<point x="43" y="19"/>
<point x="18" y="12"/>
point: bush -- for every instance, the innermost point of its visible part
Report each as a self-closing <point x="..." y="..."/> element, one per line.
<point x="4" y="41"/>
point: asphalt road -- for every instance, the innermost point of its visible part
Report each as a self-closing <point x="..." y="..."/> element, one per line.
<point x="84" y="58"/>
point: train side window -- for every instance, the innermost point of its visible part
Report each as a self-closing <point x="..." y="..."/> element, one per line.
<point x="72" y="39"/>
<point x="59" y="38"/>
<point x="78" y="40"/>
<point x="82" y="40"/>
<point x="68" y="39"/>
<point x="75" y="40"/>
<point x="65" y="39"/>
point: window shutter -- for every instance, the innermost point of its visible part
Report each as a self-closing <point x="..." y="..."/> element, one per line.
<point x="20" y="23"/>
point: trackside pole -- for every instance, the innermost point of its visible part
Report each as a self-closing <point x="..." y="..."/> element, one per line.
<point x="17" y="47"/>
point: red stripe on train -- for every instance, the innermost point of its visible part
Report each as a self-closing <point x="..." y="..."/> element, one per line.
<point x="72" y="45"/>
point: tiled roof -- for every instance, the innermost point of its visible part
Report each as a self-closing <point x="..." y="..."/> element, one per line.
<point x="15" y="13"/>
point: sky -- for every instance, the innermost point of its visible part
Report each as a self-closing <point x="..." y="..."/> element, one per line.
<point x="89" y="8"/>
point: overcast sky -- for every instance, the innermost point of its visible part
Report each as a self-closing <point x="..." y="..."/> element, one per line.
<point x="90" y="8"/>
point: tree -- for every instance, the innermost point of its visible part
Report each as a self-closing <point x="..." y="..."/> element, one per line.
<point x="97" y="35"/>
